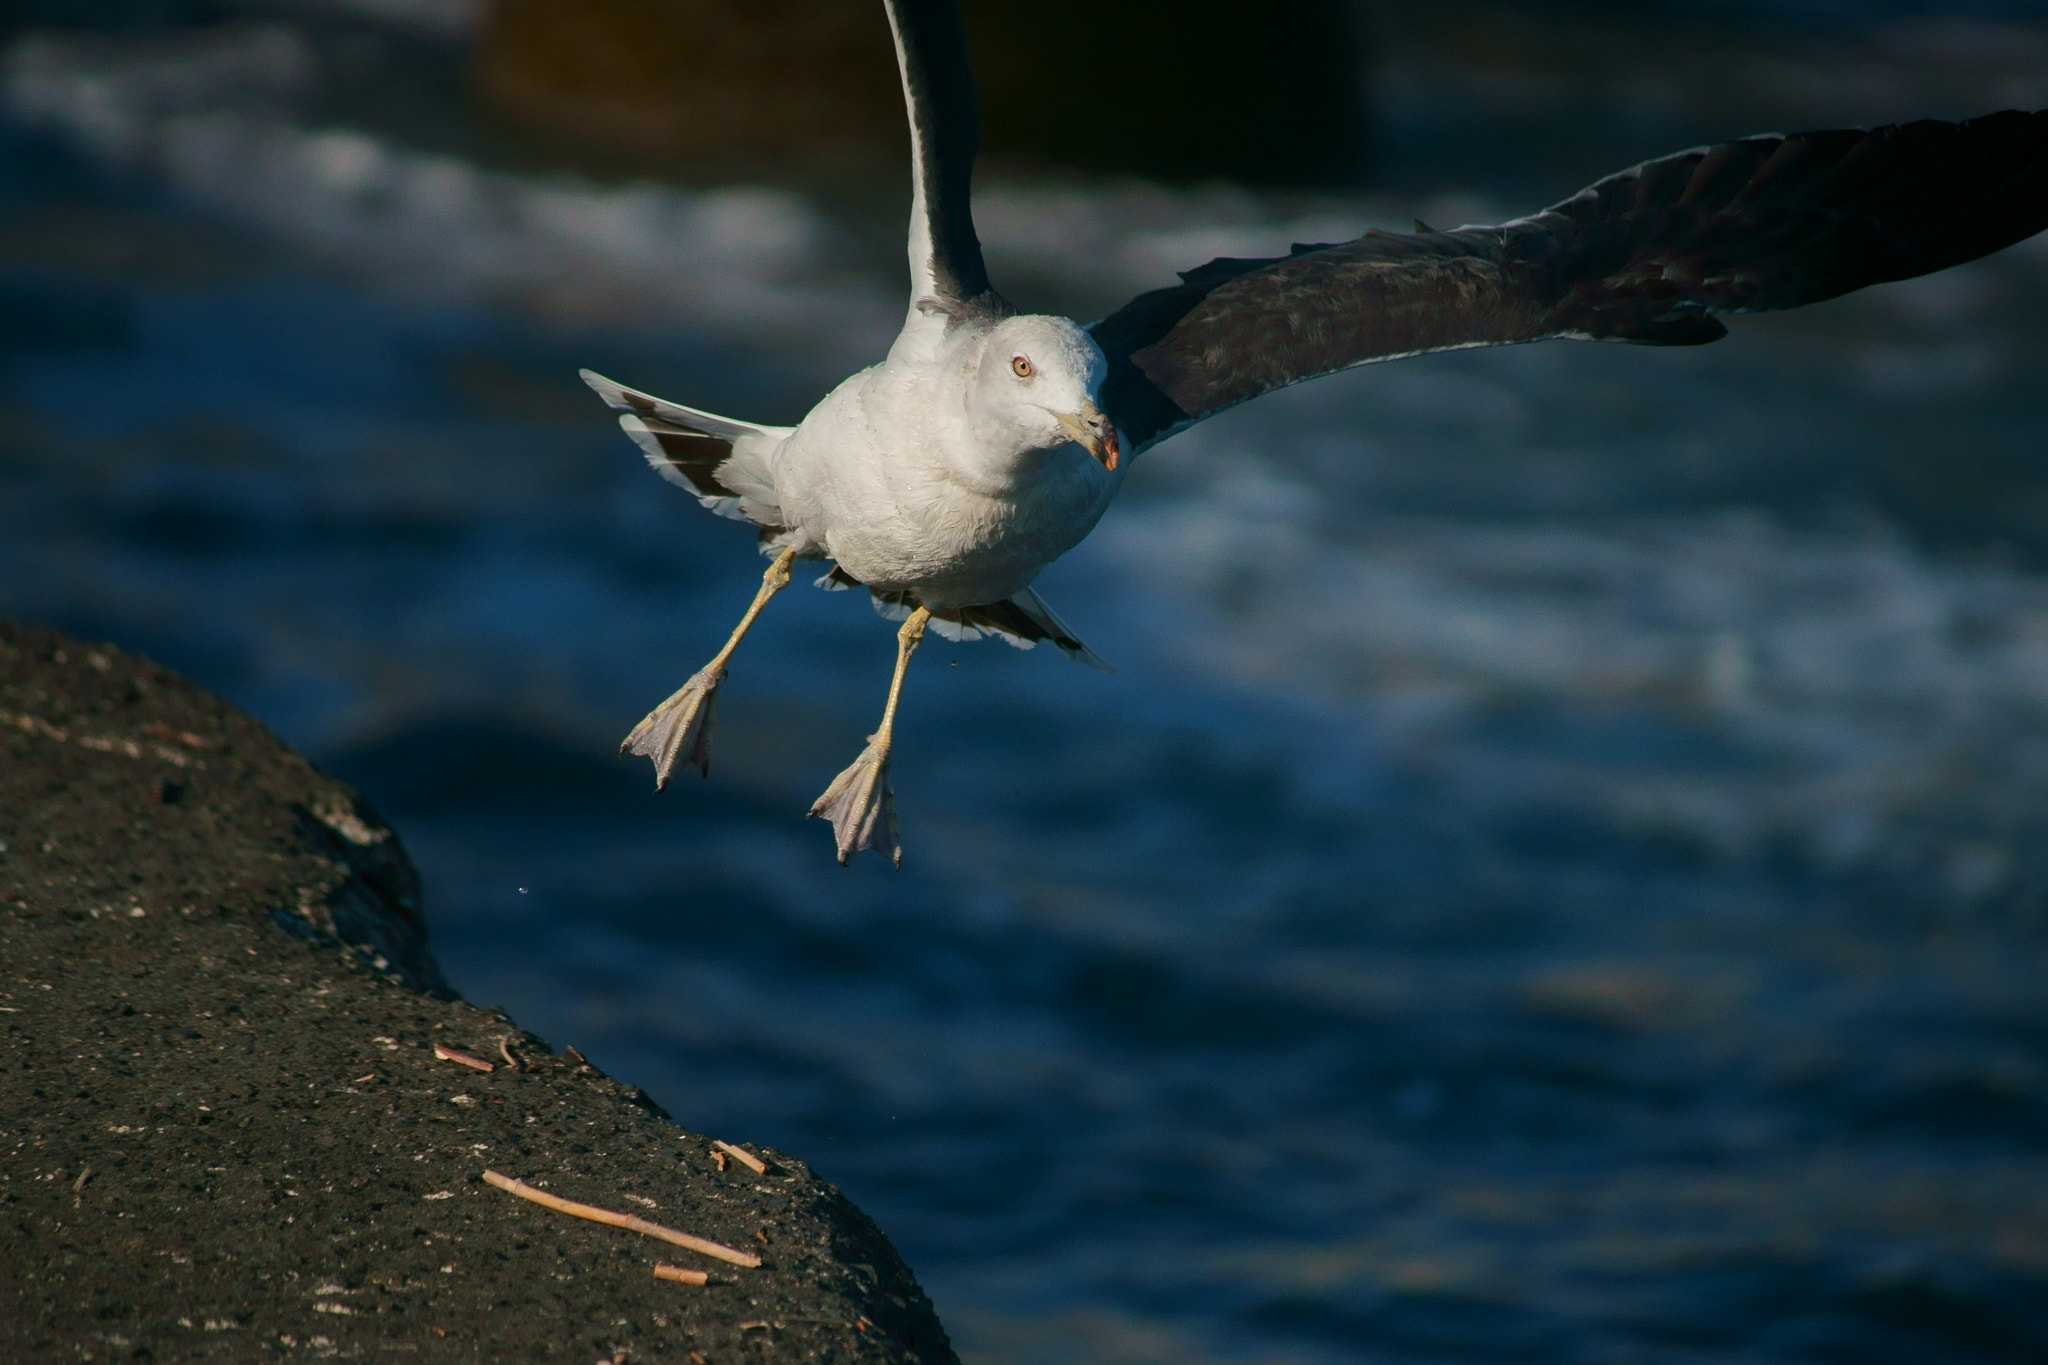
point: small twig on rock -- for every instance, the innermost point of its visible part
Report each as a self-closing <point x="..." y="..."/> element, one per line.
<point x="741" y="1155"/>
<point x="664" y="1271"/>
<point x="699" y="1245"/>
<point x="511" y="1057"/>
<point x="718" y="1157"/>
<point x="449" y="1054"/>
<point x="185" y="737"/>
<point x="78" y="1185"/>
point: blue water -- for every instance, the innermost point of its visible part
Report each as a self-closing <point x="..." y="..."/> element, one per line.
<point x="1558" y="875"/>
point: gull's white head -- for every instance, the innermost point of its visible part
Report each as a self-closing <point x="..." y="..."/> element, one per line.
<point x="1032" y="386"/>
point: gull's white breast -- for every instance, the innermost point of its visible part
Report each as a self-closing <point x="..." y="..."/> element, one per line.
<point x="873" y="478"/>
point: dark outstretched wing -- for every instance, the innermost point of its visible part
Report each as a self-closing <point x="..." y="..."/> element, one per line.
<point x="1648" y="255"/>
<point x="938" y="93"/>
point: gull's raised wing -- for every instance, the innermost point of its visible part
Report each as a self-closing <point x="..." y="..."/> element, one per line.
<point x="938" y="93"/>
<point x="1648" y="255"/>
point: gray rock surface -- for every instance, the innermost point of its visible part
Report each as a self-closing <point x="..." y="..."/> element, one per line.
<point x="224" y="1129"/>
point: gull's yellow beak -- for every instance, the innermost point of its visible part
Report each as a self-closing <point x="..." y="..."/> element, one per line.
<point x="1094" y="432"/>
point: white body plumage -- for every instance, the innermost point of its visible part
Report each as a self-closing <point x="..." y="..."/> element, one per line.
<point x="948" y="470"/>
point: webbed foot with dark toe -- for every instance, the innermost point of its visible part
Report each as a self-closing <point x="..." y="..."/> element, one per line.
<point x="861" y="806"/>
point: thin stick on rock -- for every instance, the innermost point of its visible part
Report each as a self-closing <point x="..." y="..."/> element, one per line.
<point x="449" y="1054"/>
<point x="700" y="1245"/>
<point x="743" y="1156"/>
<point x="664" y="1271"/>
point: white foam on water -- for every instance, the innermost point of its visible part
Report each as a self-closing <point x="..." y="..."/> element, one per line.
<point x="1831" y="682"/>
<point x="214" y="116"/>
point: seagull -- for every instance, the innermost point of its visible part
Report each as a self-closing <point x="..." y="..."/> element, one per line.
<point x="989" y="442"/>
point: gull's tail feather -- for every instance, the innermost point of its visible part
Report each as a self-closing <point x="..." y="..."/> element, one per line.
<point x="1034" y="609"/>
<point x="1022" y="619"/>
<point x="724" y="462"/>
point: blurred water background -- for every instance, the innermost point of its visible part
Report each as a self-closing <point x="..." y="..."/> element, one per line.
<point x="1562" y="871"/>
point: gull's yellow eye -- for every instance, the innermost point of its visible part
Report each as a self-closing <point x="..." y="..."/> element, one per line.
<point x="1021" y="367"/>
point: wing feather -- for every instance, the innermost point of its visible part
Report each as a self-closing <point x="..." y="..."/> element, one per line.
<point x="1649" y="255"/>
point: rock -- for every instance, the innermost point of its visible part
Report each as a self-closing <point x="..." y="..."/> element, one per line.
<point x="226" y="1127"/>
<point x="1174" y="89"/>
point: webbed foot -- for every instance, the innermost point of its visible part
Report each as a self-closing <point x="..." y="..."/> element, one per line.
<point x="861" y="806"/>
<point x="679" y="730"/>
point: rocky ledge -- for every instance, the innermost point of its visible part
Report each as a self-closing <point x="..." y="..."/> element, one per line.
<point x="230" y="1125"/>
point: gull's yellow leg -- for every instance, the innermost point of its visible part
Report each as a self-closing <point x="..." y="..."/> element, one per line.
<point x="679" y="730"/>
<point x="859" y="803"/>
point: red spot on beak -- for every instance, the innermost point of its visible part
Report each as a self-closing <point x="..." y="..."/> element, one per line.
<point x="1111" y="452"/>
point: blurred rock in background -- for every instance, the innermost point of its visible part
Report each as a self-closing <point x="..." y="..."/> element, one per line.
<point x="1171" y="89"/>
